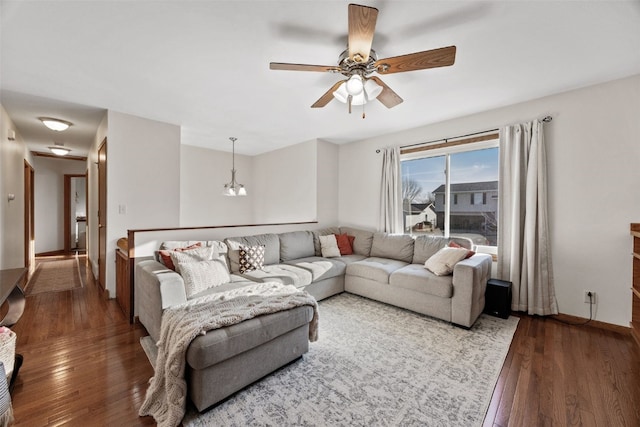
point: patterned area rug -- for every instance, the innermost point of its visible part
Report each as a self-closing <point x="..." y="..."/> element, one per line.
<point x="55" y="276"/>
<point x="375" y="364"/>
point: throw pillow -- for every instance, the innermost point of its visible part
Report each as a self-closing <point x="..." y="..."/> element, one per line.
<point x="345" y="243"/>
<point x="251" y="258"/>
<point x="470" y="253"/>
<point x="191" y="255"/>
<point x="165" y="255"/>
<point x="202" y="275"/>
<point x="329" y="246"/>
<point x="442" y="262"/>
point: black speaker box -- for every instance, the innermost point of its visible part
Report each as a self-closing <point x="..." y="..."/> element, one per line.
<point x="497" y="298"/>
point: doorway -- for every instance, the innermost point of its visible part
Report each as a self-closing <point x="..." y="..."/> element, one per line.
<point x="75" y="213"/>
<point x="29" y="221"/>
<point x="102" y="214"/>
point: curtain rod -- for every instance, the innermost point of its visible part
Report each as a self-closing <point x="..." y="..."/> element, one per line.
<point x="546" y="119"/>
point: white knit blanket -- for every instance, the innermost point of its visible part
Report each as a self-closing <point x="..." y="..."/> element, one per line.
<point x="167" y="393"/>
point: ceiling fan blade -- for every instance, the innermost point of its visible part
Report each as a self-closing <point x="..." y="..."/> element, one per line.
<point x="328" y="96"/>
<point x="303" y="67"/>
<point x="362" y="25"/>
<point x="388" y="97"/>
<point x="417" y="61"/>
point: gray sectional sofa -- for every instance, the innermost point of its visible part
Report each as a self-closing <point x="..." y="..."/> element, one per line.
<point x="386" y="268"/>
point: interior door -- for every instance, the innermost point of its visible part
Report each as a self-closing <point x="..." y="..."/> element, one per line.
<point x="102" y="214"/>
<point x="75" y="207"/>
<point x="29" y="221"/>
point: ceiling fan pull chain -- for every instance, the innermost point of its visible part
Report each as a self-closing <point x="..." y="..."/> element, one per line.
<point x="349" y="99"/>
<point x="363" y="115"/>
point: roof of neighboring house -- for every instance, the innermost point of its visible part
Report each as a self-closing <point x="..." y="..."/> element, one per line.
<point x="467" y="187"/>
<point x="417" y="208"/>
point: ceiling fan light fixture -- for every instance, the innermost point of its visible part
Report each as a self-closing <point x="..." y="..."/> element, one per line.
<point x="55" y="124"/>
<point x="354" y="85"/>
<point x="370" y="88"/>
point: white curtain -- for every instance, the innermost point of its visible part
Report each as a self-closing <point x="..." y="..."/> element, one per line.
<point x="391" y="192"/>
<point x="524" y="252"/>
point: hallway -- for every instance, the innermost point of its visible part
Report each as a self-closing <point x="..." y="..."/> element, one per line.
<point x="83" y="363"/>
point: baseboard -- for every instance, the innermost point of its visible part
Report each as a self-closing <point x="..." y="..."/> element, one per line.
<point x="52" y="253"/>
<point x="594" y="323"/>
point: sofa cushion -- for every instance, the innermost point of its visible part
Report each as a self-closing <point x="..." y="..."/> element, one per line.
<point x="443" y="261"/>
<point x="271" y="244"/>
<point x="362" y="242"/>
<point x="281" y="273"/>
<point x="329" y="246"/>
<point x="296" y="244"/>
<point x="394" y="246"/>
<point x="348" y="259"/>
<point x="345" y="243"/>
<point x="202" y="275"/>
<point x="192" y="255"/>
<point x="378" y="269"/>
<point x="320" y="268"/>
<point x="427" y="245"/>
<point x="419" y="279"/>
<point x="251" y="258"/>
<point x="323" y="232"/>
<point x="221" y="344"/>
<point x="165" y="254"/>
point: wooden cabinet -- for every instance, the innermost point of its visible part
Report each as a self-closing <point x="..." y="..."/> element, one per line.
<point x="123" y="282"/>
<point x="635" y="307"/>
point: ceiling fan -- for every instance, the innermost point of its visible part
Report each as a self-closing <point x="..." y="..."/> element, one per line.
<point x="359" y="61"/>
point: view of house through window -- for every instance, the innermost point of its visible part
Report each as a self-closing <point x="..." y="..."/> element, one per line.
<point x="471" y="196"/>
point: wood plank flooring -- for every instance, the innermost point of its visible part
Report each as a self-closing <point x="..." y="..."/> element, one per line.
<point x="83" y="363"/>
<point x="84" y="366"/>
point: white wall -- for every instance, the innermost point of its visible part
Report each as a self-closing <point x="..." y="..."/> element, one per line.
<point x="12" y="156"/>
<point x="143" y="179"/>
<point x="49" y="200"/>
<point x="327" y="183"/>
<point x="285" y="184"/>
<point x="593" y="170"/>
<point x="203" y="173"/>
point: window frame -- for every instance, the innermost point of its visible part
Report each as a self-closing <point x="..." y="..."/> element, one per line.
<point x="447" y="151"/>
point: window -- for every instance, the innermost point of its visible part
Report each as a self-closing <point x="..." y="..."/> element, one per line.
<point x="454" y="191"/>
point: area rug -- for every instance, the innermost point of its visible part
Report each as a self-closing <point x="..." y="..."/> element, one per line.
<point x="376" y="364"/>
<point x="55" y="276"/>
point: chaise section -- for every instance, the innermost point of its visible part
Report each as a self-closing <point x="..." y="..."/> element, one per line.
<point x="217" y="362"/>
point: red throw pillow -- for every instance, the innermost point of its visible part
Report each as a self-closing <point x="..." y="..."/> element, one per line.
<point x="166" y="255"/>
<point x="345" y="243"/>
<point x="469" y="252"/>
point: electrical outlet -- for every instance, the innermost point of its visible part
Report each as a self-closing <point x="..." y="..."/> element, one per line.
<point x="588" y="299"/>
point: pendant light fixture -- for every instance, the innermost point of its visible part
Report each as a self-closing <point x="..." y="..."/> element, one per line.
<point x="233" y="188"/>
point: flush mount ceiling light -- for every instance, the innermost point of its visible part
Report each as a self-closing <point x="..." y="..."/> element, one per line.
<point x="234" y="188"/>
<point x="59" y="149"/>
<point x="55" y="124"/>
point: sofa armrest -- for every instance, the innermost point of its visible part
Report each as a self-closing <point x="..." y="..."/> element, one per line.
<point x="469" y="284"/>
<point x="156" y="288"/>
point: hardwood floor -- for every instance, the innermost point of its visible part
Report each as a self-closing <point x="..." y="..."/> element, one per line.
<point x="561" y="375"/>
<point x="83" y="363"/>
<point x="84" y="366"/>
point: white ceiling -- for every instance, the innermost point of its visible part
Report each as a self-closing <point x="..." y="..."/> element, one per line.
<point x="204" y="65"/>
